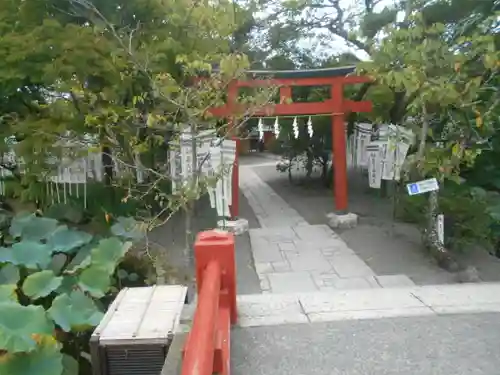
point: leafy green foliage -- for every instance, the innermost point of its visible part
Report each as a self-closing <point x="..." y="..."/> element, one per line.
<point x="459" y="203"/>
<point x="443" y="78"/>
<point x="127" y="227"/>
<point x="120" y="79"/>
<point x="51" y="280"/>
<point x="443" y="75"/>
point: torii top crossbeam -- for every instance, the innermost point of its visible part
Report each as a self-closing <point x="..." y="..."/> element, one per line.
<point x="286" y="79"/>
<point x="336" y="106"/>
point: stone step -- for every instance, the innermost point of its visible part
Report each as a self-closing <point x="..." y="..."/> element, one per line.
<point x="275" y="309"/>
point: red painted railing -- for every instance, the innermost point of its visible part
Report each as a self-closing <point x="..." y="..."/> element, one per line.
<point x="207" y="349"/>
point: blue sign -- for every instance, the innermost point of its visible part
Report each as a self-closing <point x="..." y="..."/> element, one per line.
<point x="421" y="187"/>
<point x="413" y="188"/>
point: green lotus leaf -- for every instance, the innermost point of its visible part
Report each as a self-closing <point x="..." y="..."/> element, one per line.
<point x="69" y="283"/>
<point x="8" y="292"/>
<point x="70" y="365"/>
<point x="58" y="262"/>
<point x="65" y="240"/>
<point x="46" y="359"/>
<point x="128" y="228"/>
<point x="71" y="213"/>
<point x="41" y="284"/>
<point x="29" y="254"/>
<point x="75" y="311"/>
<point x="18" y="223"/>
<point x="32" y="228"/>
<point x="9" y="274"/>
<point x="95" y="280"/>
<point x="19" y="325"/>
<point x="81" y="260"/>
<point x="109" y="252"/>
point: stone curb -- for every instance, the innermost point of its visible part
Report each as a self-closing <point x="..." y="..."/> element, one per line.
<point x="276" y="309"/>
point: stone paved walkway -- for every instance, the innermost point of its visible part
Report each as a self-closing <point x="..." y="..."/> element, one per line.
<point x="292" y="256"/>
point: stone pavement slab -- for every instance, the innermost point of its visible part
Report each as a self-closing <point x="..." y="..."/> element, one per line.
<point x="418" y="345"/>
<point x="283" y="282"/>
<point x="350" y="266"/>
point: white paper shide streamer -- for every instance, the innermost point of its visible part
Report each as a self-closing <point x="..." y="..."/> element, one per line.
<point x="260" y="127"/>
<point x="295" y="126"/>
<point x="310" y="130"/>
<point x="276" y="128"/>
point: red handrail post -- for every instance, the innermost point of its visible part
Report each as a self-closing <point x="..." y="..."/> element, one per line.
<point x="218" y="246"/>
<point x="201" y="344"/>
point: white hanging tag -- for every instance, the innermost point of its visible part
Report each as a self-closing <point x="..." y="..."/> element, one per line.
<point x="211" y="195"/>
<point x="374" y="164"/>
<point x="185" y="144"/>
<point x="229" y="151"/>
<point x="172" y="155"/>
<point x="216" y="163"/>
<point x="97" y="169"/>
<point x="228" y="178"/>
<point x="219" y="198"/>
<point x="216" y="159"/>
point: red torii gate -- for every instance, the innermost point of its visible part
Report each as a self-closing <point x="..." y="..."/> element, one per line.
<point x="336" y="106"/>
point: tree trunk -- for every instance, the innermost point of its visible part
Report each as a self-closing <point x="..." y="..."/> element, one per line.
<point x="431" y="238"/>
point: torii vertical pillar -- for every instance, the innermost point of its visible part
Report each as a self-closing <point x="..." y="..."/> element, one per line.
<point x="341" y="218"/>
<point x="339" y="150"/>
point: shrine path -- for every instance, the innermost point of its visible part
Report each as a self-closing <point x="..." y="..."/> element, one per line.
<point x="292" y="255"/>
<point x="388" y="247"/>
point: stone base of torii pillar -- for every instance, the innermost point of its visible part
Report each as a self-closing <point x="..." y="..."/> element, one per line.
<point x="342" y="221"/>
<point x="237" y="227"/>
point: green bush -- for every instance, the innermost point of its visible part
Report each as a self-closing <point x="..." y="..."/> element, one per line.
<point x="52" y="280"/>
<point x="467" y="219"/>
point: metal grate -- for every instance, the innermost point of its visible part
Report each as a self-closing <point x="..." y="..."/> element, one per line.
<point x="135" y="360"/>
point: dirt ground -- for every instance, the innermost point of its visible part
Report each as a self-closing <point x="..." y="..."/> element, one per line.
<point x="170" y="238"/>
<point x="388" y="247"/>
